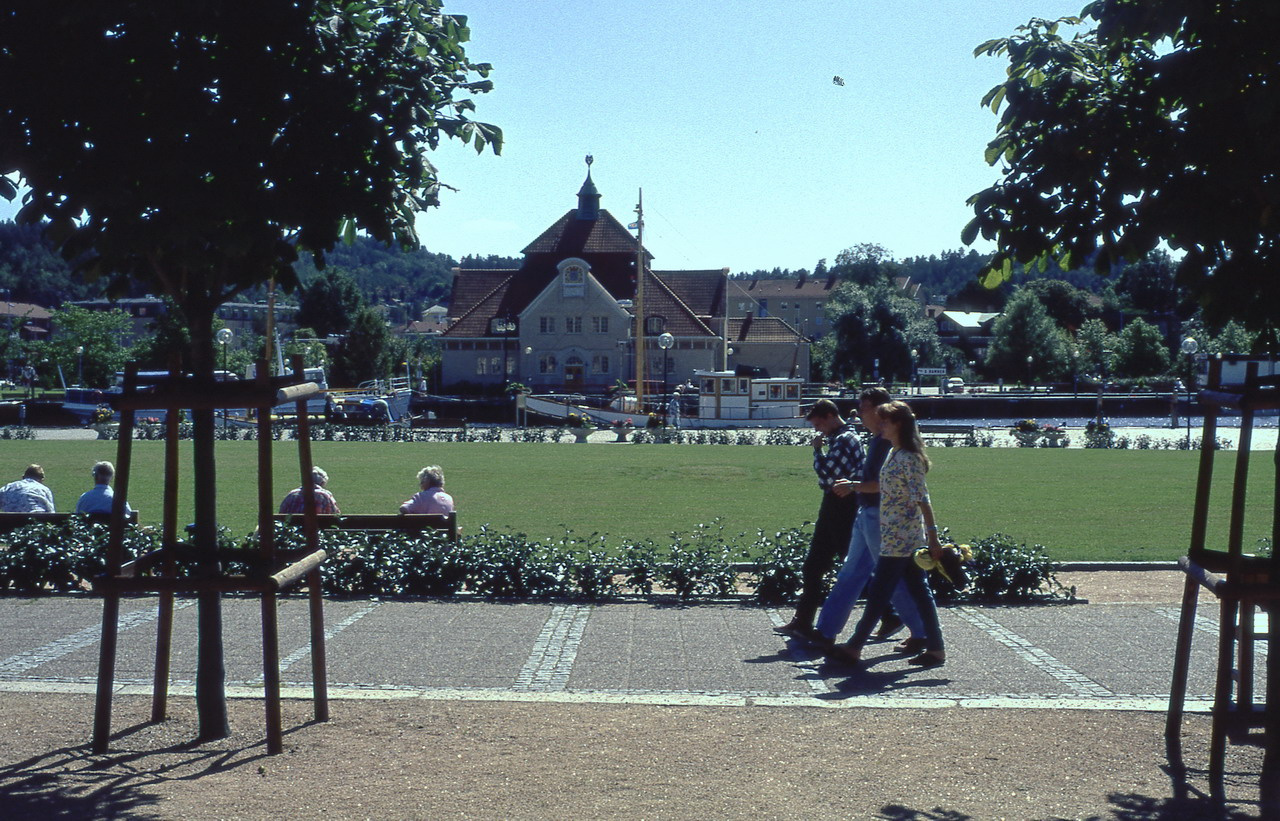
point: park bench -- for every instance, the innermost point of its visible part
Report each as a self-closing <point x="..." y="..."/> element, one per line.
<point x="940" y="433"/>
<point x="399" y="522"/>
<point x="12" y="521"/>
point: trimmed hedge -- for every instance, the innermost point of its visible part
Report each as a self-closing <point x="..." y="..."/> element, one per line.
<point x="701" y="564"/>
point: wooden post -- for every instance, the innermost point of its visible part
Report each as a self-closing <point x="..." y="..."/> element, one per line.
<point x="168" y="542"/>
<point x="315" y="582"/>
<point x="115" y="557"/>
<point x="267" y="551"/>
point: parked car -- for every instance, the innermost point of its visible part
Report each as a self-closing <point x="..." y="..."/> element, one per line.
<point x="955" y="385"/>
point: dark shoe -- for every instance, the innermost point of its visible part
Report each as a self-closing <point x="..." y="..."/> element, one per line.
<point x="909" y="645"/>
<point x="889" y="625"/>
<point x="928" y="660"/>
<point x="812" y="636"/>
<point x="793" y="628"/>
<point x="844" y="654"/>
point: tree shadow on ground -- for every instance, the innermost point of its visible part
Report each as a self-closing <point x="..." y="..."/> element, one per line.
<point x="75" y="783"/>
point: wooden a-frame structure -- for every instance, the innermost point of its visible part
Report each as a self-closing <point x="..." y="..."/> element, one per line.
<point x="271" y="570"/>
<point x="1244" y="585"/>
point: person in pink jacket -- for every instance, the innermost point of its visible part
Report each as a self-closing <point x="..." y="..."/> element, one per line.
<point x="432" y="498"/>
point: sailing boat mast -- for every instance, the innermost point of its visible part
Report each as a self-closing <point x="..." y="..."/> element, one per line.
<point x="639" y="304"/>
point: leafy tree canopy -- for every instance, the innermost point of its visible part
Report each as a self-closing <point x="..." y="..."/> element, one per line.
<point x="329" y="304"/>
<point x="198" y="147"/>
<point x="1156" y="124"/>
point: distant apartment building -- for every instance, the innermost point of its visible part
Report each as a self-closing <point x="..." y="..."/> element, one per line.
<point x="242" y="318"/>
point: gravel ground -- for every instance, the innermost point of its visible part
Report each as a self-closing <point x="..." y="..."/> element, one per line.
<point x="501" y="760"/>
<point x="447" y="760"/>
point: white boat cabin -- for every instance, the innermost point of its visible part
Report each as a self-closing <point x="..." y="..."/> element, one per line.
<point x="726" y="395"/>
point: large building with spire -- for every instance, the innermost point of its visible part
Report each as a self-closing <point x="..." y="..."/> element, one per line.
<point x="565" y="319"/>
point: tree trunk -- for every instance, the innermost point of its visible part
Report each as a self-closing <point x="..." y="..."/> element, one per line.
<point x="211" y="696"/>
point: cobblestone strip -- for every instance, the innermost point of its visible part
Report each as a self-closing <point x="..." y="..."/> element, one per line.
<point x="555" y="650"/>
<point x="54" y="650"/>
<point x="1209" y="626"/>
<point x="817" y="684"/>
<point x="1078" y="682"/>
<point x="297" y="655"/>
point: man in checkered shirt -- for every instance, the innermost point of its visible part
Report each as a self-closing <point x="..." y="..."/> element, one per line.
<point x="837" y="454"/>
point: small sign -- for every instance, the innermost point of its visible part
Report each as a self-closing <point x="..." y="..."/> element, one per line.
<point x="932" y="371"/>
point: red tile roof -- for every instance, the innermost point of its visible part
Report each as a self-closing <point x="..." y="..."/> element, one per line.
<point x="570" y="236"/>
<point x="762" y="329"/>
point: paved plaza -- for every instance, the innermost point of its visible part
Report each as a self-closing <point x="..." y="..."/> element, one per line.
<point x="1096" y="656"/>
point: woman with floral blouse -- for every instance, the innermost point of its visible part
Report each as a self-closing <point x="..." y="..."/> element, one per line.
<point x="906" y="522"/>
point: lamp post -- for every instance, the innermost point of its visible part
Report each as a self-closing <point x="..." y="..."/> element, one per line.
<point x="80" y="366"/>
<point x="1030" y="359"/>
<point x="915" y="369"/>
<point x="1189" y="347"/>
<point x="665" y="341"/>
<point x="224" y="336"/>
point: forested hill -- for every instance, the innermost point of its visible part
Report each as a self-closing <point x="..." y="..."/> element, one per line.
<point x="30" y="271"/>
<point x="384" y="273"/>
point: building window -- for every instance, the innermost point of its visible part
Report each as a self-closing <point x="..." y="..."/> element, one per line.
<point x="764" y="307"/>
<point x="546" y="324"/>
<point x="655" y="325"/>
<point x="600" y="324"/>
<point x="599" y="364"/>
<point x="573" y="324"/>
<point x="511" y="365"/>
<point x="547" y="363"/>
<point x="495" y="366"/>
<point x="482" y="366"/>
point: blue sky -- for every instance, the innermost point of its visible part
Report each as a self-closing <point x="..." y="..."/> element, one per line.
<point x="725" y="114"/>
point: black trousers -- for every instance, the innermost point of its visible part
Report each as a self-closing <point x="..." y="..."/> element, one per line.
<point x="831" y="535"/>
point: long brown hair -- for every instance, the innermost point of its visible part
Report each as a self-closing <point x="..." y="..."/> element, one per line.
<point x="900" y="413"/>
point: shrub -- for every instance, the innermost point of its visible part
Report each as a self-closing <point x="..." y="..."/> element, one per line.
<point x="1003" y="570"/>
<point x="776" y="571"/>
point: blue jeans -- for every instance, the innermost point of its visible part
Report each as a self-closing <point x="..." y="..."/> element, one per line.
<point x="859" y="563"/>
<point x="890" y="571"/>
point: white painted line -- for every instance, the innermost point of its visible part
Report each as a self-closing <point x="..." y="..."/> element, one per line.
<point x="1028" y="652"/>
<point x="555" y="650"/>
<point x="54" y="650"/>
<point x="1146" y="703"/>
<point x="817" y="684"/>
<point x="1208" y="626"/>
<point x="297" y="655"/>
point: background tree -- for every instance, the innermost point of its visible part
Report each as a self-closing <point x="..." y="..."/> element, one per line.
<point x="1095" y="348"/>
<point x="329" y="304"/>
<point x="99" y="333"/>
<point x="363" y="352"/>
<point x="876" y="322"/>
<point x="1066" y="304"/>
<point x="1140" y="350"/>
<point x="1026" y="329"/>
<point x="866" y="263"/>
<point x="1157" y="124"/>
<point x="196" y="149"/>
<point x="1149" y="285"/>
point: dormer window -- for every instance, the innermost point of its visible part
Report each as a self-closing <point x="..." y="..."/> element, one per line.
<point x="655" y="324"/>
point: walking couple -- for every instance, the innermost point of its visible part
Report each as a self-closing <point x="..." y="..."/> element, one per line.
<point x="876" y="510"/>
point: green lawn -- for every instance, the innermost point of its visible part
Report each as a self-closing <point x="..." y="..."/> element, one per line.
<point x="1079" y="504"/>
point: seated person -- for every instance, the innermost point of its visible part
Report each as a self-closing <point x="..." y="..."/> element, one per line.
<point x="432" y="498"/>
<point x="98" y="499"/>
<point x="325" y="503"/>
<point x="28" y="494"/>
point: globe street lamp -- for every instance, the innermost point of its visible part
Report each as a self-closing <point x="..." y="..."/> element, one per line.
<point x="223" y="336"/>
<point x="80" y="365"/>
<point x="915" y="370"/>
<point x="1189" y="347"/>
<point x="665" y="341"/>
<point x="1030" y="359"/>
